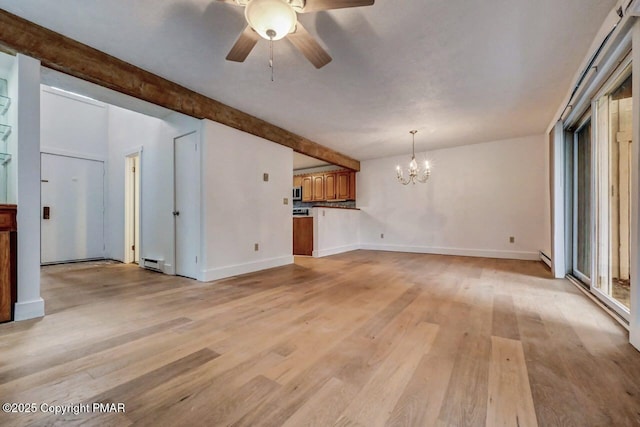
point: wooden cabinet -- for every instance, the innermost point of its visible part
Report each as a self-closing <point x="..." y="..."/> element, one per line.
<point x="307" y="188"/>
<point x="330" y="186"/>
<point x="8" y="261"/>
<point x="327" y="186"/>
<point x="303" y="236"/>
<point x="352" y="186"/>
<point x="318" y="188"/>
<point x="342" y="185"/>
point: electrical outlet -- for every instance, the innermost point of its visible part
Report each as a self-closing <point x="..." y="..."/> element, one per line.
<point x="382" y="235"/>
<point x="512" y="239"/>
<point x="285" y="201"/>
<point x="265" y="177"/>
<point x="256" y="247"/>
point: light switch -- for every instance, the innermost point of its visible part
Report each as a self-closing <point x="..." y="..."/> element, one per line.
<point x="285" y="201"/>
<point x="265" y="177"/>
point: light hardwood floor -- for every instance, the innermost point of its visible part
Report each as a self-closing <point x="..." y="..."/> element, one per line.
<point x="359" y="339"/>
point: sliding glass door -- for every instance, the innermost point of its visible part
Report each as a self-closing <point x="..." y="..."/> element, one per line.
<point x="582" y="202"/>
<point x="613" y="163"/>
<point x="600" y="163"/>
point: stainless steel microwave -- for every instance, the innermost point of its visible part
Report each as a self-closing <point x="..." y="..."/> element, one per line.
<point x="297" y="193"/>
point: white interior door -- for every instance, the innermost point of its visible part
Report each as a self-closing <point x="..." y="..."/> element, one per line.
<point x="187" y="204"/>
<point x="72" y="197"/>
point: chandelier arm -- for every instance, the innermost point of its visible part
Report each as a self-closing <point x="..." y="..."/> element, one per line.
<point x="401" y="179"/>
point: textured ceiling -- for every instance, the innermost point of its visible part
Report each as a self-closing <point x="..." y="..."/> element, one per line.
<point x="461" y="72"/>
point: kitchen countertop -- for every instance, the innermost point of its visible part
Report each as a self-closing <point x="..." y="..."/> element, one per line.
<point x="336" y="207"/>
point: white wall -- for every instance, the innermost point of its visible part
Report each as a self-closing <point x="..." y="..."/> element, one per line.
<point x="477" y="197"/>
<point x="72" y="125"/>
<point x="27" y="104"/>
<point x="335" y="231"/>
<point x="239" y="208"/>
<point x="130" y="132"/>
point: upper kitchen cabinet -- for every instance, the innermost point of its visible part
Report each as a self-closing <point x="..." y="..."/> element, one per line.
<point x="327" y="186"/>
<point x="307" y="187"/>
<point x="330" y="186"/>
<point x="318" y="188"/>
<point x="343" y="184"/>
<point x="352" y="186"/>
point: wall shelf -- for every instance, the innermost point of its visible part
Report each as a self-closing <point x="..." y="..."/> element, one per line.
<point x="5" y="131"/>
<point x="5" y="103"/>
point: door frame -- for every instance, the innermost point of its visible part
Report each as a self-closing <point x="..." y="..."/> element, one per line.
<point x="128" y="156"/>
<point x="581" y="275"/>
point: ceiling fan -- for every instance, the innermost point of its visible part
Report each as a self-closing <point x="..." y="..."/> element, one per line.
<point x="276" y="19"/>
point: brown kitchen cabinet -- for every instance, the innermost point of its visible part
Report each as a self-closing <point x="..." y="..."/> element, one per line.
<point x="327" y="186"/>
<point x="343" y="185"/>
<point x="307" y="188"/>
<point x="318" y="188"/>
<point x="303" y="236"/>
<point x="352" y="186"/>
<point x="8" y="261"/>
<point x="330" y="186"/>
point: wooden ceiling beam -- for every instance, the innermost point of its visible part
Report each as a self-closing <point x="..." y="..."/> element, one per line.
<point x="71" y="57"/>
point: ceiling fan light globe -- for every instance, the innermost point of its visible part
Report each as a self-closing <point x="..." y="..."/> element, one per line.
<point x="265" y="16"/>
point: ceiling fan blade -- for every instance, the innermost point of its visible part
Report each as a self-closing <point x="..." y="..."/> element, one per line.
<point x="309" y="47"/>
<point x="318" y="5"/>
<point x="243" y="45"/>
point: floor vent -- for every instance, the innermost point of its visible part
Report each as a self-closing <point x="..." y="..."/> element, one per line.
<point x="153" y="264"/>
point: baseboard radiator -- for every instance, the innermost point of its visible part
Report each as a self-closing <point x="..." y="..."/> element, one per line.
<point x="153" y="264"/>
<point x="545" y="258"/>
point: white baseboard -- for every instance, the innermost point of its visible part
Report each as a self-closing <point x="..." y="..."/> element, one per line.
<point x="481" y="253"/>
<point x="168" y="269"/>
<point x="334" y="251"/>
<point x="249" y="267"/>
<point x="29" y="309"/>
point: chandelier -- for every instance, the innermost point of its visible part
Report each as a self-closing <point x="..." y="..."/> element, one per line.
<point x="415" y="172"/>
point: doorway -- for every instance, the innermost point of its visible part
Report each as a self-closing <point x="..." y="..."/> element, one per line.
<point x="186" y="211"/>
<point x="132" y="203"/>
